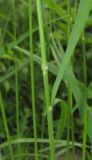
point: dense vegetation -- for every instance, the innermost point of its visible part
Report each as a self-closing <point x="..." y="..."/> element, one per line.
<point x="45" y="79"/>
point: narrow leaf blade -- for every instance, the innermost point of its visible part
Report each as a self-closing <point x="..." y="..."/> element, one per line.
<point x="83" y="11"/>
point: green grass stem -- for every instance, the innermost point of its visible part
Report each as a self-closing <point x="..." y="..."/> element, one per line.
<point x="84" y="135"/>
<point x="84" y="58"/>
<point x="6" y="127"/>
<point x="16" y="78"/>
<point x="32" y="78"/>
<point x="70" y="100"/>
<point x="46" y="81"/>
<point x="69" y="89"/>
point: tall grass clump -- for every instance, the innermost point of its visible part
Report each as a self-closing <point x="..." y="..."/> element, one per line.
<point x="45" y="80"/>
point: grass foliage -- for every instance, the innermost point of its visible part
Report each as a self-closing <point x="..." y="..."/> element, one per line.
<point x="45" y="80"/>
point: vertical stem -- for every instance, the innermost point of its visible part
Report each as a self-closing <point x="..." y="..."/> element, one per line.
<point x="46" y="82"/>
<point x="42" y="134"/>
<point x="6" y="128"/>
<point x="43" y="127"/>
<point x="17" y="100"/>
<point x="91" y="152"/>
<point x="69" y="89"/>
<point x="68" y="135"/>
<point x="84" y="58"/>
<point x="16" y="75"/>
<point x="32" y="78"/>
<point x="73" y="139"/>
<point x="85" y="112"/>
<point x="84" y="135"/>
<point x="14" y="20"/>
<point x="70" y="117"/>
<point x="69" y="20"/>
<point x="76" y="6"/>
<point x="1" y="157"/>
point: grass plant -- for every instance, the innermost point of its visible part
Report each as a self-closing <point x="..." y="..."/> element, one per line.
<point x="45" y="71"/>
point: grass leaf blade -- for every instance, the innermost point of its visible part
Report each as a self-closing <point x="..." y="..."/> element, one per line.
<point x="83" y="11"/>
